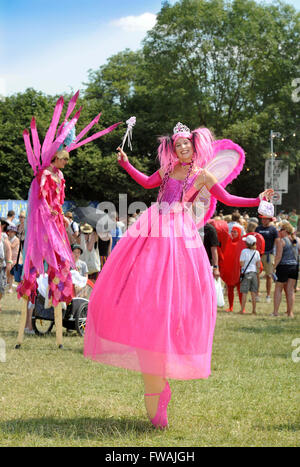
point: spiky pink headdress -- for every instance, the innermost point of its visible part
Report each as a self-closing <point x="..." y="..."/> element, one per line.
<point x="40" y="157"/>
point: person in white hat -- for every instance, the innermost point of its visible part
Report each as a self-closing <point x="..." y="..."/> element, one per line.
<point x="268" y="230"/>
<point x="250" y="265"/>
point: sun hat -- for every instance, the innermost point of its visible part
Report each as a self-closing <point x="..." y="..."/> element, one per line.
<point x="86" y="228"/>
<point x="250" y="239"/>
<point x="254" y="219"/>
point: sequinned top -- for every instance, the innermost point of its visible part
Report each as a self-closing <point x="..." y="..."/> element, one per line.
<point x="173" y="189"/>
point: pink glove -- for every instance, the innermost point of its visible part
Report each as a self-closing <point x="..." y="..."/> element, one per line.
<point x="222" y="195"/>
<point x="147" y="182"/>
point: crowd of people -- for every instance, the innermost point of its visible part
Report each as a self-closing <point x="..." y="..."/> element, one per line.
<point x="90" y="249"/>
<point x="153" y="308"/>
<point x="244" y="249"/>
<point x="241" y="250"/>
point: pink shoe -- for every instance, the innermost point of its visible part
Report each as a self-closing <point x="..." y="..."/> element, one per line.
<point x="160" y="420"/>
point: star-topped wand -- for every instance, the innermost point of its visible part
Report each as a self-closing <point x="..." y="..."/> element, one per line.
<point x="128" y="135"/>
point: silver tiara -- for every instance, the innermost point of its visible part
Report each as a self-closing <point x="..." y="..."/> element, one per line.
<point x="181" y="128"/>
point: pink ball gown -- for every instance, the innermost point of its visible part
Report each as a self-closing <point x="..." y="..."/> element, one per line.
<point x="153" y="307"/>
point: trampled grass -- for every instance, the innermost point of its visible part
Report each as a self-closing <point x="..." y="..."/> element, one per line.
<point x="51" y="397"/>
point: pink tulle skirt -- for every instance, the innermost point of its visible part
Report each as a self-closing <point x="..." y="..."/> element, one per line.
<point x="153" y="307"/>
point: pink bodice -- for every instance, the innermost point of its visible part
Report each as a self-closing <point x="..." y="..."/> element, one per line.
<point x="173" y="189"/>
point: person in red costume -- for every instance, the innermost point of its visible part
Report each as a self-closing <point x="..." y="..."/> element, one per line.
<point x="230" y="271"/>
<point x="223" y="236"/>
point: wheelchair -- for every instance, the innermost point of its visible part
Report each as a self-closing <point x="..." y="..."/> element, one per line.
<point x="74" y="316"/>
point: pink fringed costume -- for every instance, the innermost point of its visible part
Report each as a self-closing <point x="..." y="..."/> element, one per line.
<point x="46" y="239"/>
<point x="153" y="307"/>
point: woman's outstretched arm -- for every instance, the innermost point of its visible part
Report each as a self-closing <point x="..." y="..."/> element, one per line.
<point x="152" y="181"/>
<point x="216" y="189"/>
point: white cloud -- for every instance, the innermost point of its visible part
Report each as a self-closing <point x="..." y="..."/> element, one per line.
<point x="64" y="65"/>
<point x="142" y="22"/>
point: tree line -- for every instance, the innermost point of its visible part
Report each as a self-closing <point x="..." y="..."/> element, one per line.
<point x="226" y="65"/>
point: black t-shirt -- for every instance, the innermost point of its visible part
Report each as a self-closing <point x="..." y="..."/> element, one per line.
<point x="210" y="239"/>
<point x="270" y="234"/>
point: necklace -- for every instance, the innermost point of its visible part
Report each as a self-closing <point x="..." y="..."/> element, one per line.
<point x="185" y="163"/>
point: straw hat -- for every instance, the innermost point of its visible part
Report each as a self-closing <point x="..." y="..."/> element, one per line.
<point x="86" y="229"/>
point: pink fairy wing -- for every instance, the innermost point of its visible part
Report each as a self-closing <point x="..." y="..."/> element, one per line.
<point x="53" y="125"/>
<point x="33" y="161"/>
<point x="47" y="157"/>
<point x="226" y="164"/>
<point x="92" y="138"/>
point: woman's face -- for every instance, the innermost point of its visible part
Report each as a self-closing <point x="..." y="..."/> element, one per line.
<point x="61" y="163"/>
<point x="283" y="233"/>
<point x="184" y="149"/>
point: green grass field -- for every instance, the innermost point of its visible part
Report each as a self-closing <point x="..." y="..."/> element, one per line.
<point x="51" y="397"/>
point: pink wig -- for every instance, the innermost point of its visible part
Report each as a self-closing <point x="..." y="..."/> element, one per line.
<point x="202" y="140"/>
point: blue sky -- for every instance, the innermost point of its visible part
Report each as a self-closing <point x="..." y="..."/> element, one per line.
<point x="51" y="44"/>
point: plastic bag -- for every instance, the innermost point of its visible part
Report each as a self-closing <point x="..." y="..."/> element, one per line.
<point x="266" y="208"/>
<point x="219" y="293"/>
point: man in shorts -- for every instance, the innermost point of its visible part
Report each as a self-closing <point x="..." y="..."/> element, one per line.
<point x="270" y="234"/>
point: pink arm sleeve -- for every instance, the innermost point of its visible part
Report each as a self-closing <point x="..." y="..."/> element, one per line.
<point x="147" y="182"/>
<point x="222" y="195"/>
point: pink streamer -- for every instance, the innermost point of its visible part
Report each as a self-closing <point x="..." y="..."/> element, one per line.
<point x="93" y="137"/>
<point x="85" y="130"/>
<point x="47" y="157"/>
<point x="53" y="125"/>
<point x="71" y="105"/>
<point x="70" y="109"/>
<point x="35" y="139"/>
<point x="30" y="154"/>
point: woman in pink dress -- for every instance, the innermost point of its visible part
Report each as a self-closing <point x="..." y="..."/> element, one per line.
<point x="153" y="307"/>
